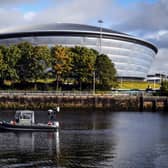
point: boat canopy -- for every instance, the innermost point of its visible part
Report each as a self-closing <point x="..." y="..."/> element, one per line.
<point x="25" y="117"/>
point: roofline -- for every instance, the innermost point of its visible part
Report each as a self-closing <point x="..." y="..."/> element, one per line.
<point x="115" y="36"/>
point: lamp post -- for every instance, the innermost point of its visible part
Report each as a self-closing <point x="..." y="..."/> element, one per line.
<point x="121" y="82"/>
<point x="165" y="76"/>
<point x="94" y="82"/>
<point x="154" y="83"/>
<point x="94" y="75"/>
<point x="100" y="43"/>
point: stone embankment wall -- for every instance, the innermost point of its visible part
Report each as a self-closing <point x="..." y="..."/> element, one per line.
<point x="111" y="102"/>
<point x="116" y="103"/>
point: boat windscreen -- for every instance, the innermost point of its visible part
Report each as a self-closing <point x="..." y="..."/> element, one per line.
<point x="27" y="116"/>
<point x="17" y="115"/>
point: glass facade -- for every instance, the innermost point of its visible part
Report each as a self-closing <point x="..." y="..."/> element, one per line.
<point x="131" y="60"/>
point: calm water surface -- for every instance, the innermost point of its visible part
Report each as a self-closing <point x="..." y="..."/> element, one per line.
<point x="90" y="140"/>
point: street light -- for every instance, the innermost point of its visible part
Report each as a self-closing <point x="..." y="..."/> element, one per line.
<point x="100" y="22"/>
<point x="94" y="75"/>
<point x="94" y="82"/>
<point x="165" y="76"/>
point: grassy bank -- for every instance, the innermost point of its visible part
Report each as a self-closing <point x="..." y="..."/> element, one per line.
<point x="50" y="85"/>
<point x="137" y="85"/>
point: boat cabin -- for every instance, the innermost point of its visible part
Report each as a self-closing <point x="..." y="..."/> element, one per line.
<point x="24" y="117"/>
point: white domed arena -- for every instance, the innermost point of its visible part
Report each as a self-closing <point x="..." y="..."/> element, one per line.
<point x="131" y="56"/>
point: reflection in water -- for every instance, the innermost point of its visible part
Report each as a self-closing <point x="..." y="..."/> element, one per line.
<point x="80" y="149"/>
<point x="85" y="140"/>
<point x="87" y="148"/>
<point x="86" y="120"/>
<point x="57" y="144"/>
<point x="24" y="141"/>
<point x="91" y="139"/>
<point x="28" y="149"/>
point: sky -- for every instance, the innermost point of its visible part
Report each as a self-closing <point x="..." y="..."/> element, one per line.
<point x="146" y="19"/>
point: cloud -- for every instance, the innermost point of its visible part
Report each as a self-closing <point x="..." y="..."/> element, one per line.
<point x="159" y="38"/>
<point x="29" y="16"/>
<point x="76" y="11"/>
<point x="14" y="19"/>
<point x="160" y="64"/>
<point x="144" y="16"/>
<point x="148" y="21"/>
<point x="10" y="14"/>
<point x="143" y="19"/>
<point x="79" y="11"/>
<point x="8" y="3"/>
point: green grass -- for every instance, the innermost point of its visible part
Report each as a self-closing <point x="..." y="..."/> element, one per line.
<point x="46" y="80"/>
<point x="137" y="85"/>
<point x="7" y="82"/>
<point x="121" y="85"/>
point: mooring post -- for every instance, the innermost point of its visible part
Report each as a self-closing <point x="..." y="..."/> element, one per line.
<point x="166" y="105"/>
<point x="141" y="103"/>
<point x="95" y="101"/>
<point x="154" y="105"/>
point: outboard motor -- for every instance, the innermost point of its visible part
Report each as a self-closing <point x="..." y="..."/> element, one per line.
<point x="51" y="115"/>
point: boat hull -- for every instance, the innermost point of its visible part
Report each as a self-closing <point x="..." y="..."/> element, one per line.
<point x="33" y="128"/>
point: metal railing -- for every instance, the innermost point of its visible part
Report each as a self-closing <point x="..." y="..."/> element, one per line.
<point x="69" y="93"/>
<point x="44" y="93"/>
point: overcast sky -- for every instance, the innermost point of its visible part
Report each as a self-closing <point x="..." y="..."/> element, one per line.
<point x="147" y="19"/>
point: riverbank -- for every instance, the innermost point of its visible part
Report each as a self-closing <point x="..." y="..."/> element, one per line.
<point x="111" y="102"/>
<point x="82" y="101"/>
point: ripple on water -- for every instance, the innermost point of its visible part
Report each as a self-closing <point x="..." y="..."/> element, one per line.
<point x="92" y="140"/>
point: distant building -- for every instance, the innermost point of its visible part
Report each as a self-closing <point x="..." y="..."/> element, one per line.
<point x="157" y="78"/>
<point x="132" y="56"/>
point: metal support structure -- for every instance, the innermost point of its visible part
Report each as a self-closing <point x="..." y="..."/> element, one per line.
<point x="94" y="82"/>
<point x="100" y="22"/>
<point x="154" y="84"/>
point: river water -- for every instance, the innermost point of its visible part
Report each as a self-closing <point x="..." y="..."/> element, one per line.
<point x="90" y="140"/>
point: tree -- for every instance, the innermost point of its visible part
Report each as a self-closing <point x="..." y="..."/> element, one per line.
<point x="105" y="72"/>
<point x="40" y="62"/>
<point x="3" y="49"/>
<point x="24" y="66"/>
<point x="3" y="67"/>
<point x="164" y="88"/>
<point x="61" y="62"/>
<point x="13" y="54"/>
<point x="83" y="61"/>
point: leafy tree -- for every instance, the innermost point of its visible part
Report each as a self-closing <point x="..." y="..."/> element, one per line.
<point x="40" y="62"/>
<point x="3" y="49"/>
<point x="164" y="88"/>
<point x="13" y="54"/>
<point x="3" y="67"/>
<point x="25" y="63"/>
<point x="83" y="61"/>
<point x="28" y="62"/>
<point x="61" y="62"/>
<point x="105" y="72"/>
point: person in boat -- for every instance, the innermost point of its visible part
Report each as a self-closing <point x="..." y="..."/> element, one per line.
<point x="17" y="117"/>
<point x="52" y="115"/>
